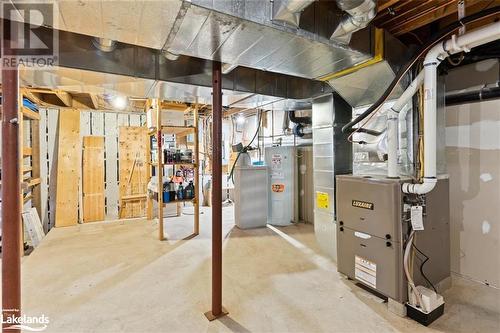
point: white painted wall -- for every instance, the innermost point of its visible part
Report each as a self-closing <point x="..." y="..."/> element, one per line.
<point x="473" y="158"/>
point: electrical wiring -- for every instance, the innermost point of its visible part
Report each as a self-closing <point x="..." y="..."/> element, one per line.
<point x="426" y="258"/>
<point x="245" y="149"/>
<point x="404" y="69"/>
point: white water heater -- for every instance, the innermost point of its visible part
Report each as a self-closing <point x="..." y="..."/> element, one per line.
<point x="282" y="183"/>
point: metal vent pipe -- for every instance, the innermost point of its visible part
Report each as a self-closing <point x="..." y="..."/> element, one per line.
<point x="359" y="15"/>
<point x="289" y="10"/>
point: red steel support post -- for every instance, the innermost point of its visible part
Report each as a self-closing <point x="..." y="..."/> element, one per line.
<point x="11" y="198"/>
<point x="217" y="309"/>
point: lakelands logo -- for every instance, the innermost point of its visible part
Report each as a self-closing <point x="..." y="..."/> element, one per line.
<point x="27" y="41"/>
<point x="25" y="323"/>
<point x="362" y="204"/>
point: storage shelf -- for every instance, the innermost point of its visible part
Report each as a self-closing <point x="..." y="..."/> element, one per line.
<point x="27" y="151"/>
<point x="170" y="164"/>
<point x="30" y="114"/>
<point x="30" y="182"/>
<point x="177" y="130"/>
<point x="134" y="197"/>
<point x="179" y="201"/>
<point x="180" y="164"/>
<point x="176" y="201"/>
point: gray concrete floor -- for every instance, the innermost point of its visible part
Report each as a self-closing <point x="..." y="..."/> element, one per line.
<point x="117" y="277"/>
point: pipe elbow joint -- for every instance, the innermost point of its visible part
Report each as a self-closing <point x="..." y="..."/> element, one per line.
<point x="423" y="188"/>
<point x="434" y="56"/>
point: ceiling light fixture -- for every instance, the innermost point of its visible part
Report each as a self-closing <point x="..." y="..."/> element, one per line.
<point x="240" y="120"/>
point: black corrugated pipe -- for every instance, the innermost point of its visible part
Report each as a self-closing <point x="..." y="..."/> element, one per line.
<point x="482" y="94"/>
<point x="299" y="120"/>
<point x="423" y="50"/>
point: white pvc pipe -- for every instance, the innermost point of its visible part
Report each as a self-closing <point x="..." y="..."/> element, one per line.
<point x="408" y="93"/>
<point x="393" y="122"/>
<point x="432" y="60"/>
<point x="392" y="145"/>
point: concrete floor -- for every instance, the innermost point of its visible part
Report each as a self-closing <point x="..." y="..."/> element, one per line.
<point x="117" y="277"/>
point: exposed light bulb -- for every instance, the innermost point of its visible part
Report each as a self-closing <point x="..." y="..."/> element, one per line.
<point x="119" y="102"/>
<point x="240" y="120"/>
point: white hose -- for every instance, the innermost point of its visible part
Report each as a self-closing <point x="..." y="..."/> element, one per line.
<point x="406" y="258"/>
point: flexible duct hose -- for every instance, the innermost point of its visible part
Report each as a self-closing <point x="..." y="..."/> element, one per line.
<point x="426" y="47"/>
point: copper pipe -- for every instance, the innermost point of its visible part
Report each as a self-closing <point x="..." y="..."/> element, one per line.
<point x="11" y="198"/>
<point x="216" y="189"/>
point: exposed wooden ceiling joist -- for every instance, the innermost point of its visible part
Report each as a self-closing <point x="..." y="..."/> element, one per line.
<point x="85" y="101"/>
<point x="405" y="16"/>
<point x="384" y="4"/>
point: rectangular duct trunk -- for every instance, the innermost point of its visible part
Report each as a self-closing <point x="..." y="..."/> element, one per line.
<point x="332" y="156"/>
<point x="366" y="82"/>
<point x="305" y="184"/>
<point x="244" y="33"/>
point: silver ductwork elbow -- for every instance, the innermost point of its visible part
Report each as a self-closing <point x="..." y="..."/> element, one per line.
<point x="286" y="125"/>
<point x="104" y="44"/>
<point x="359" y="15"/>
<point x="289" y="10"/>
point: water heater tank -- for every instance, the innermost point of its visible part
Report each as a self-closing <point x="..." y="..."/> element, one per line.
<point x="282" y="180"/>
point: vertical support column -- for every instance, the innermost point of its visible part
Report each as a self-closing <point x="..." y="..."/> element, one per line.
<point x="217" y="309"/>
<point x="24" y="152"/>
<point x="35" y="164"/>
<point x="159" y="167"/>
<point x="197" y="186"/>
<point x="149" y="201"/>
<point x="11" y="198"/>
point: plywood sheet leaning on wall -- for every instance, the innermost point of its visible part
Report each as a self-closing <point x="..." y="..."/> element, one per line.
<point x="93" y="178"/>
<point x="133" y="171"/>
<point x="68" y="168"/>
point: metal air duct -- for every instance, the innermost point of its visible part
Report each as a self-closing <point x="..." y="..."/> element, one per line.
<point x="365" y="82"/>
<point x="289" y="10"/>
<point x="255" y="34"/>
<point x="104" y="44"/>
<point x="359" y="15"/>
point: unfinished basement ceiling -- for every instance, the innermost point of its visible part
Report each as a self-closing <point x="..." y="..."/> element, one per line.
<point x="149" y="25"/>
<point x="104" y="84"/>
<point x="235" y="32"/>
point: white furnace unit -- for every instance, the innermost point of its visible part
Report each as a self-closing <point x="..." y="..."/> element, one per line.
<point x="282" y="185"/>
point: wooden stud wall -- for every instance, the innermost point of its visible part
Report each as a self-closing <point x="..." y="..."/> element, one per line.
<point x="133" y="142"/>
<point x="93" y="178"/>
<point x="68" y="168"/>
<point x="104" y="124"/>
